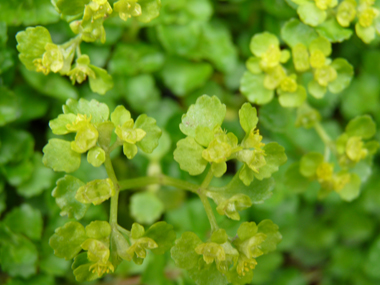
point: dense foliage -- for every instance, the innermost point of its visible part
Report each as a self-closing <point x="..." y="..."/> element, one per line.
<point x="181" y="142"/>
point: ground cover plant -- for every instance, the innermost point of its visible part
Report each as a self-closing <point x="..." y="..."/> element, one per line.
<point x="189" y="142"/>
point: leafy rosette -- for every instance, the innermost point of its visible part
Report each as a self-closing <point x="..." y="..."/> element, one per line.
<point x="314" y="12"/>
<point x="266" y="74"/>
<point x="221" y="259"/>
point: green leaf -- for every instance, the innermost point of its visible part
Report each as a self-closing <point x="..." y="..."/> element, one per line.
<point x="183" y="76"/>
<point x="18" y="255"/>
<point x="334" y="32"/>
<point x="96" y="156"/>
<point x="120" y="115"/>
<point x="270" y="229"/>
<point x="163" y="234"/>
<point x="309" y="163"/>
<point x="102" y="81"/>
<point x="58" y="125"/>
<point x="96" y="191"/>
<point x="294" y="180"/>
<point x="252" y="87"/>
<point x="71" y="7"/>
<point x="81" y="269"/>
<point x="310" y="14"/>
<point x="31" y="45"/>
<point x="9" y="109"/>
<point x="99" y="112"/>
<point x="345" y="73"/>
<point x="153" y="133"/>
<point x="59" y="156"/>
<point x="293" y="99"/>
<point x="150" y="9"/>
<point x="19" y="173"/>
<point x="316" y="90"/>
<point x="361" y="126"/>
<point x="209" y="275"/>
<point x="352" y="189"/>
<point x="275" y="157"/>
<point x="248" y="117"/>
<point x="25" y="220"/>
<point x="189" y="156"/>
<point x="64" y="195"/>
<point x="143" y="214"/>
<point x="130" y="150"/>
<point x="207" y="112"/>
<point x="98" y="230"/>
<point x="16" y="145"/>
<point x="219" y="168"/>
<point x="183" y="251"/>
<point x="260" y="43"/>
<point x="67" y="240"/>
<point x="366" y="34"/>
<point x="372" y="259"/>
<point x="294" y="32"/>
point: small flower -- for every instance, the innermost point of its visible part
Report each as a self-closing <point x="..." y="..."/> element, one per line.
<point x="81" y="70"/>
<point x="98" y="253"/>
<point x="127" y="9"/>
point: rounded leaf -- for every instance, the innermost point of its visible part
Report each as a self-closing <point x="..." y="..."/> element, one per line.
<point x="252" y="87"/>
<point x="59" y="156"/>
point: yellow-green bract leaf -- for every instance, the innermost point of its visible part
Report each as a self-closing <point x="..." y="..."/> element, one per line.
<point x="366" y="34"/>
<point x="183" y="251"/>
<point x="150" y="9"/>
<point x="139" y="210"/>
<point x="253" y="65"/>
<point x="248" y="117"/>
<point x="98" y="230"/>
<point x="230" y="207"/>
<point x="102" y="82"/>
<point x="352" y="189"/>
<point x="25" y="220"/>
<point x="203" y="135"/>
<point x="321" y="44"/>
<point x="316" y="90"/>
<point x="209" y="275"/>
<point x="273" y="236"/>
<point x="120" y="115"/>
<point x="294" y="32"/>
<point x="309" y="163"/>
<point x="361" y="126"/>
<point x="64" y="195"/>
<point x="153" y="133"/>
<point x="96" y="191"/>
<point x="294" y="180"/>
<point x="163" y="234"/>
<point x="219" y="168"/>
<point x="130" y="150"/>
<point x="252" y="87"/>
<point x="275" y="157"/>
<point x="67" y="240"/>
<point x="96" y="156"/>
<point x="71" y="7"/>
<point x="31" y="45"/>
<point x="81" y="269"/>
<point x="59" y="156"/>
<point x="189" y="156"/>
<point x="292" y="99"/>
<point x="311" y="15"/>
<point x="58" y="126"/>
<point x="260" y="43"/>
<point x="206" y="112"/>
<point x="334" y="32"/>
<point x="99" y="112"/>
<point x="246" y="175"/>
<point x="345" y="73"/>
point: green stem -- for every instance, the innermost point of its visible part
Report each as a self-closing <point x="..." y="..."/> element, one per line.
<point x="206" y="203"/>
<point x="123" y="231"/>
<point x="115" y="198"/>
<point x="159" y="179"/>
<point x="326" y="140"/>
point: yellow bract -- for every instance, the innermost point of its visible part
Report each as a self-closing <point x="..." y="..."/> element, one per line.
<point x="129" y="134"/>
<point x="366" y="16"/>
<point x="211" y="252"/>
<point x="346" y="12"/>
<point x="300" y="57"/>
<point x="289" y="84"/>
<point x="355" y="150"/>
<point x="317" y="59"/>
<point x="325" y="171"/>
<point x="325" y="75"/>
<point x="98" y="253"/>
<point x="245" y="265"/>
<point x="127" y="9"/>
<point x="271" y="57"/>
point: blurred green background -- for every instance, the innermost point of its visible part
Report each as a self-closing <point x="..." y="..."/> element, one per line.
<point x="194" y="47"/>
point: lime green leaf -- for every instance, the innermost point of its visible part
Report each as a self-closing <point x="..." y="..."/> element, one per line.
<point x="260" y="43"/>
<point x="8" y="106"/>
<point x="311" y="15"/>
<point x="102" y="81"/>
<point x="248" y="117"/>
<point x="105" y="129"/>
<point x="81" y="269"/>
<point x="183" y="251"/>
<point x="334" y="32"/>
<point x="67" y="240"/>
<point x="246" y="175"/>
<point x="120" y="115"/>
<point x="18" y="255"/>
<point x="96" y="156"/>
<point x="130" y="150"/>
<point x="153" y="133"/>
<point x="230" y="207"/>
<point x="71" y="7"/>
<point x="183" y="77"/>
<point x="58" y="126"/>
<point x="292" y="99"/>
<point x="163" y="234"/>
<point x="321" y="44"/>
<point x="189" y="156"/>
<point x="345" y="73"/>
<point x="203" y="135"/>
<point x="96" y="191"/>
<point x="275" y="157"/>
<point x="19" y="173"/>
<point x="361" y="126"/>
<point x="143" y="214"/>
<point x="352" y="189"/>
<point x="98" y="230"/>
<point x="316" y="90"/>
<point x="25" y="220"/>
<point x="253" y="65"/>
<point x="294" y="180"/>
<point x="209" y="275"/>
<point x="150" y="9"/>
<point x="59" y="156"/>
<point x="206" y="112"/>
<point x="309" y="163"/>
<point x="16" y="145"/>
<point x="99" y="112"/>
<point x="295" y="32"/>
<point x="31" y="45"/>
<point x="252" y="87"/>
<point x="64" y="195"/>
<point x="367" y="34"/>
<point x="270" y="229"/>
<point x="219" y="168"/>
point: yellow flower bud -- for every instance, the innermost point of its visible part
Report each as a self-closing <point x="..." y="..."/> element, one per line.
<point x="325" y="75"/>
<point x="355" y="150"/>
<point x="317" y="59"/>
<point x="346" y="12"/>
<point x="289" y="84"/>
<point x="300" y="57"/>
<point x="366" y="16"/>
<point x="325" y="171"/>
<point x="271" y="57"/>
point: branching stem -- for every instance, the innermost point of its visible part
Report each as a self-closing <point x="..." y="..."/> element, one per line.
<point x="115" y="198"/>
